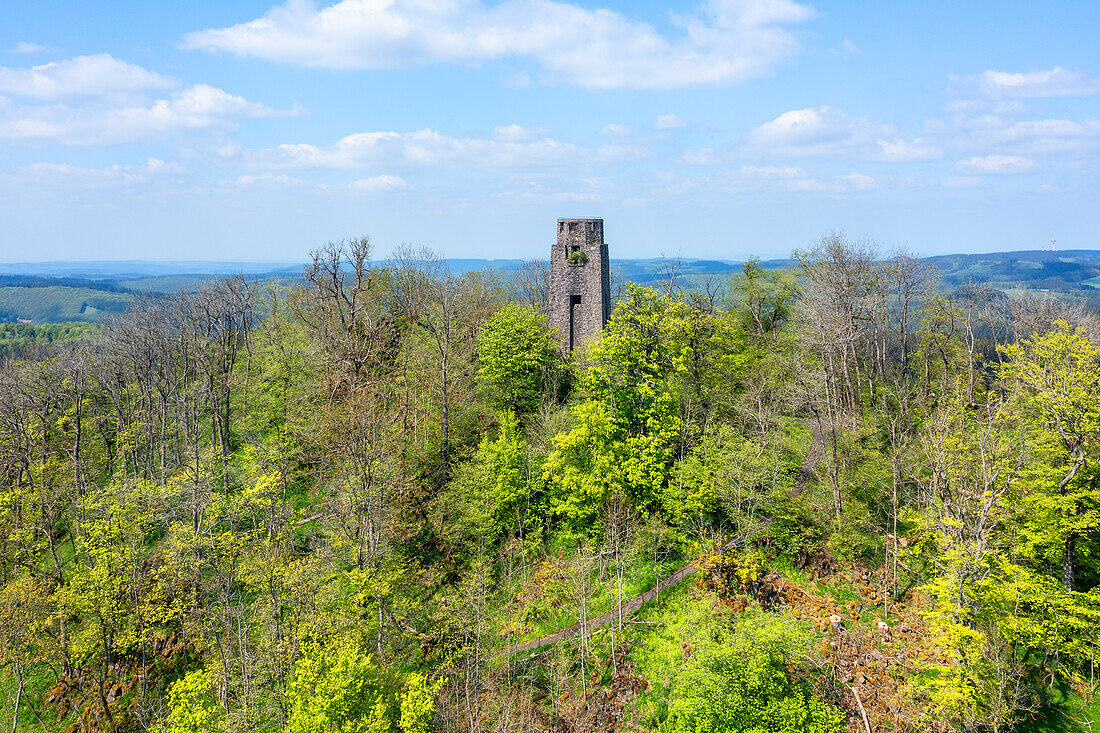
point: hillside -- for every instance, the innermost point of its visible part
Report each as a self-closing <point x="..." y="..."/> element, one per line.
<point x="383" y="498"/>
<point x="58" y="303"/>
<point x="1067" y="271"/>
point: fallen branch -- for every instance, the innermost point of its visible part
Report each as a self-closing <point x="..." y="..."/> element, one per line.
<point x="866" y="725"/>
<point x="307" y="520"/>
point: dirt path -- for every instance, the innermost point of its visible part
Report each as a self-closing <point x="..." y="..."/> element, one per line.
<point x="813" y="457"/>
<point x="605" y="618"/>
<point x="805" y="473"/>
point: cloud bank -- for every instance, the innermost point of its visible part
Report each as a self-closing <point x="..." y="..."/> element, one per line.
<point x="1056" y="82"/>
<point x="101" y="100"/>
<point x="722" y="42"/>
<point x="509" y="146"/>
<point x="828" y="131"/>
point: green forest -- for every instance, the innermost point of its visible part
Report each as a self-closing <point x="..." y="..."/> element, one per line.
<point x="57" y="303"/>
<point x="827" y="497"/>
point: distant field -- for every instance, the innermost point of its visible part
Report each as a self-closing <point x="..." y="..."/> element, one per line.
<point x="58" y="303"/>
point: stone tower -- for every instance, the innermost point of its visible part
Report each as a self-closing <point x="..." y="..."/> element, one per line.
<point x="580" y="282"/>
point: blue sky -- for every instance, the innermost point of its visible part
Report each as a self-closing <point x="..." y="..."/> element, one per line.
<point x="727" y="128"/>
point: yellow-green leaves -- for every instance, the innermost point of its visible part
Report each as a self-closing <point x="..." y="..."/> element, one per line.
<point x="418" y="703"/>
<point x="340" y="689"/>
<point x="192" y="707"/>
<point x="1056" y="378"/>
<point x="514" y="353"/>
<point x="26" y="612"/>
<point x="624" y="435"/>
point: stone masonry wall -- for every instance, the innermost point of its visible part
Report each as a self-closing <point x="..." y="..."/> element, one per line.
<point x="589" y="281"/>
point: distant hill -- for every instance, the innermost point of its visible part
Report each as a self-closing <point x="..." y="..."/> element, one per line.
<point x="29" y="281"/>
<point x="131" y="269"/>
<point x="1068" y="271"/>
<point x="58" y="303"/>
<point x="171" y="283"/>
<point x="52" y="292"/>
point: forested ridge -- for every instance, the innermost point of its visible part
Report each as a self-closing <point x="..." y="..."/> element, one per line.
<point x="369" y="501"/>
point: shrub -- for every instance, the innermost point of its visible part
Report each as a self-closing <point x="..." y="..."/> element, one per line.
<point x="743" y="684"/>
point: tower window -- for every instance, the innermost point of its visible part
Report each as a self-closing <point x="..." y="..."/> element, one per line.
<point x="574" y="316"/>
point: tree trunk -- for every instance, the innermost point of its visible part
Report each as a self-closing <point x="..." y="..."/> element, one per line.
<point x="1068" y="552"/>
<point x="18" y="697"/>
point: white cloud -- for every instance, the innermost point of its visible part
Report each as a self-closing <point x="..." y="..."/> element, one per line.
<point x="777" y="179"/>
<point x="995" y="163"/>
<point x="101" y="100"/>
<point x="379" y="183"/>
<point x="1056" y="82"/>
<point x="509" y="146"/>
<point x="821" y="131"/>
<point x="774" y="171"/>
<point x="669" y="122"/>
<point x="270" y="179"/>
<point x="1048" y="136"/>
<point x="518" y="133"/>
<point x="614" y="130"/>
<point x="701" y="156"/>
<point x="999" y="106"/>
<point x="963" y="182"/>
<point x="846" y="49"/>
<point x="229" y="150"/>
<point x="1020" y="137"/>
<point x="722" y="41"/>
<point x="859" y="181"/>
<point x="196" y="108"/>
<point x="25" y="47"/>
<point x="82" y="76"/>
<point x="556" y="196"/>
<point x="44" y="172"/>
<point x="906" y="149"/>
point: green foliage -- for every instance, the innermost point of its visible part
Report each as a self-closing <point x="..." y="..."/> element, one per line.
<point x="727" y="476"/>
<point x="742" y="687"/>
<point x="624" y="434"/>
<point x="192" y="707"/>
<point x="764" y="297"/>
<point x="339" y="689"/>
<point x="515" y="350"/>
<point x="493" y="490"/>
<point x="723" y="671"/>
<point x="798" y="526"/>
<point x="17" y="339"/>
<point x="101" y="590"/>
<point x="1057" y="376"/>
<point x="55" y="304"/>
<point x="418" y="703"/>
<point x="383" y="462"/>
